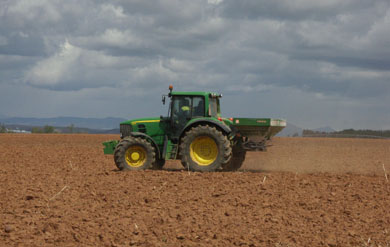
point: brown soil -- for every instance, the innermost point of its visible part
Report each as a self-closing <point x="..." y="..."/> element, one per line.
<point x="60" y="190"/>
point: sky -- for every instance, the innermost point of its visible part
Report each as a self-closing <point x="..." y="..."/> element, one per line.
<point x="313" y="63"/>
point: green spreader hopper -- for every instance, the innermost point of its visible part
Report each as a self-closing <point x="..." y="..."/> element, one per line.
<point x="256" y="131"/>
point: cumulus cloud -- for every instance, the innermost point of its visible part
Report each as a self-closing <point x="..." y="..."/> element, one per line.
<point x="56" y="68"/>
<point x="43" y="11"/>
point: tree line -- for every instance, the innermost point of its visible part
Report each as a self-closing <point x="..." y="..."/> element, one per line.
<point x="3" y="129"/>
<point x="349" y="133"/>
<point x="45" y="129"/>
<point x="51" y="129"/>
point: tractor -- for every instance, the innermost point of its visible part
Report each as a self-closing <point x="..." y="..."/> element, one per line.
<point x="194" y="133"/>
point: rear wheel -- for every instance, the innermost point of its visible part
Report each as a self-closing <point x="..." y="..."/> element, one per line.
<point x="134" y="154"/>
<point x="204" y="148"/>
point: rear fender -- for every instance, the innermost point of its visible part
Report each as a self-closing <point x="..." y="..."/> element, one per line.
<point x="217" y="124"/>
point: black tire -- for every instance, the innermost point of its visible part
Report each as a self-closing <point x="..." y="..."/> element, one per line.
<point x="222" y="148"/>
<point x="158" y="164"/>
<point x="237" y="159"/>
<point x="123" y="160"/>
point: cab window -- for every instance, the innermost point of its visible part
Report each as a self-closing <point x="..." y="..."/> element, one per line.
<point x="181" y="108"/>
<point x="197" y="107"/>
<point x="213" y="107"/>
<point x="188" y="106"/>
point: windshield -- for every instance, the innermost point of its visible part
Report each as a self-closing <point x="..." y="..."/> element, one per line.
<point x="187" y="107"/>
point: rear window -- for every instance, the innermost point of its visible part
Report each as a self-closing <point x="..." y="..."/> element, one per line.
<point x="213" y="107"/>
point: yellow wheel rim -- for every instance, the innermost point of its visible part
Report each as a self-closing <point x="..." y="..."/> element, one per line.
<point x="135" y="156"/>
<point x="203" y="150"/>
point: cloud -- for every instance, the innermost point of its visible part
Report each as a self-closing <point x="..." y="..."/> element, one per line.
<point x="3" y="40"/>
<point x="110" y="9"/>
<point x="297" y="10"/>
<point x="43" y="11"/>
<point x="75" y="68"/>
<point x="216" y="2"/>
<point x="319" y="49"/>
<point x="52" y="70"/>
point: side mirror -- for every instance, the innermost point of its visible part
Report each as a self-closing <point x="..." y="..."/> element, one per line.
<point x="163" y="99"/>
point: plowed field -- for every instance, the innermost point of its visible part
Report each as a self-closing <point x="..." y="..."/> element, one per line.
<point x="60" y="190"/>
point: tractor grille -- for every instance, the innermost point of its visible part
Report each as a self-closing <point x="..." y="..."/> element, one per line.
<point x="125" y="130"/>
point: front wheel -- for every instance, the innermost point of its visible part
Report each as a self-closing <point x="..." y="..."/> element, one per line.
<point x="134" y="154"/>
<point x="204" y="148"/>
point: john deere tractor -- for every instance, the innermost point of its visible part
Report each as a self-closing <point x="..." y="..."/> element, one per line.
<point x="193" y="132"/>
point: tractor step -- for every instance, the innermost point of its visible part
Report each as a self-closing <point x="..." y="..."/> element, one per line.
<point x="171" y="151"/>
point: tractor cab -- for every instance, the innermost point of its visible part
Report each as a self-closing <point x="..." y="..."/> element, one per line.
<point x="186" y="106"/>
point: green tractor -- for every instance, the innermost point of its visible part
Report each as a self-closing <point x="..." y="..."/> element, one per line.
<point x="193" y="132"/>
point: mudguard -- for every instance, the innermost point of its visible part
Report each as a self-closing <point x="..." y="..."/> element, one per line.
<point x="226" y="129"/>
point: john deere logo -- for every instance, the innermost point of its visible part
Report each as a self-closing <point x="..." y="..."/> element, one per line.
<point x="261" y="121"/>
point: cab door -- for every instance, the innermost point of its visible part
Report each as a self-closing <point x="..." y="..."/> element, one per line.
<point x="183" y="109"/>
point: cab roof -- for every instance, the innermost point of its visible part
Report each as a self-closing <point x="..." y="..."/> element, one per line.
<point x="173" y="93"/>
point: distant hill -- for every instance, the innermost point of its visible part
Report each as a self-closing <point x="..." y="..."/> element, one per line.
<point x="90" y="123"/>
<point x="59" y="129"/>
<point x="326" y="129"/>
<point x="290" y="130"/>
<point x="293" y="130"/>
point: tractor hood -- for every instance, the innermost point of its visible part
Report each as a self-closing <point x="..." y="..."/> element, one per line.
<point x="141" y="121"/>
<point x="150" y="126"/>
